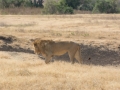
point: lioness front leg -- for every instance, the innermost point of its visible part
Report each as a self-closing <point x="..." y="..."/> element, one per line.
<point x="48" y="58"/>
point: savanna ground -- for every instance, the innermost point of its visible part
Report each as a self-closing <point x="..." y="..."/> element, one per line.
<point x="99" y="39"/>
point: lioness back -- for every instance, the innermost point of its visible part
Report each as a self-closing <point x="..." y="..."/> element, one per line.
<point x="61" y="47"/>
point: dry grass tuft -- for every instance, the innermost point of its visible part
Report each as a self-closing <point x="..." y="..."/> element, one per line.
<point x="21" y="72"/>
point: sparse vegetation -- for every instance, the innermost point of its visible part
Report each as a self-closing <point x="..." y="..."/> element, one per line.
<point x="59" y="6"/>
<point x="106" y="6"/>
<point x="97" y="34"/>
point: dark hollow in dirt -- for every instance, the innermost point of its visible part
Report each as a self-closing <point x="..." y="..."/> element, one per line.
<point x="8" y="38"/>
<point x="90" y="54"/>
<point x="15" y="49"/>
<point x="11" y="43"/>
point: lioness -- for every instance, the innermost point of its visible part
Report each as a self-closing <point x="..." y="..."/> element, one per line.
<point x="49" y="48"/>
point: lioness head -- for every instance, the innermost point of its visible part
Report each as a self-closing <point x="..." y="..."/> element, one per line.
<point x="37" y="47"/>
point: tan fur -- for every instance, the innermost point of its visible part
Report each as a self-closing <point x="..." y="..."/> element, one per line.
<point x="49" y="48"/>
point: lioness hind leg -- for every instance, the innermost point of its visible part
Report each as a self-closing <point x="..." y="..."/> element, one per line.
<point x="78" y="56"/>
<point x="71" y="56"/>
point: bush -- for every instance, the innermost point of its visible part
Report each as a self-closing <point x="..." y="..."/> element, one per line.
<point x="28" y="3"/>
<point x="64" y="9"/>
<point x="71" y="3"/>
<point x="50" y="7"/>
<point x="106" y="6"/>
<point x="11" y="3"/>
<point x="18" y="3"/>
<point x="80" y="4"/>
<point x="5" y="3"/>
<point x="68" y="10"/>
<point x="55" y="7"/>
<point x="87" y="5"/>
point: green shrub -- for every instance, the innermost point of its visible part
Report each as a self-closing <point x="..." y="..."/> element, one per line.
<point x="87" y="5"/>
<point x="106" y="6"/>
<point x="68" y="10"/>
<point x="28" y="3"/>
<point x="11" y="3"/>
<point x="80" y="4"/>
<point x="55" y="7"/>
<point x="18" y="3"/>
<point x="64" y="9"/>
<point x="50" y="7"/>
<point x="71" y="3"/>
<point x="5" y="3"/>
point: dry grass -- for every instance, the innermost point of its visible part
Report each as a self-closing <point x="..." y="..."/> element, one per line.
<point x="21" y="71"/>
<point x="85" y="28"/>
<point x="81" y="26"/>
<point x="36" y="75"/>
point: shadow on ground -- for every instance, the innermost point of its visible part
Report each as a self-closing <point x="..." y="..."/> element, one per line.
<point x="96" y="56"/>
<point x="90" y="54"/>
